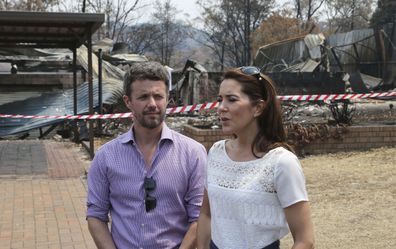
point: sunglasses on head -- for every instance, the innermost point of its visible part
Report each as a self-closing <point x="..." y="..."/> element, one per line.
<point x="149" y="186"/>
<point x="250" y="70"/>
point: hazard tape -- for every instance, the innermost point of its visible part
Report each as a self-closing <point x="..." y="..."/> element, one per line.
<point x="212" y="105"/>
<point x="319" y="97"/>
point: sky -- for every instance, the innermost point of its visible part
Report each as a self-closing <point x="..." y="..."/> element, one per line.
<point x="187" y="6"/>
<point x="184" y="7"/>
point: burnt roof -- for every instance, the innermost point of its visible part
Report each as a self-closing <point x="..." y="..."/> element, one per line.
<point x="47" y="29"/>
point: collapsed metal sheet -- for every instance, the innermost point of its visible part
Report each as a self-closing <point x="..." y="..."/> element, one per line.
<point x="58" y="101"/>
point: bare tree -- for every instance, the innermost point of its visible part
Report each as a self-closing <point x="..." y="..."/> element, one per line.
<point x="228" y="25"/>
<point x="27" y="5"/>
<point x="141" y="38"/>
<point x="306" y="9"/>
<point x="171" y="34"/>
<point x="346" y="15"/>
<point x="118" y="15"/>
<point x="5" y="5"/>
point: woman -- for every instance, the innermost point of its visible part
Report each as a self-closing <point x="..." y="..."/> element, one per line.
<point x="255" y="190"/>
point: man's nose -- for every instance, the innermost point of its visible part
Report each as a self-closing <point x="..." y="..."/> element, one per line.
<point x="151" y="101"/>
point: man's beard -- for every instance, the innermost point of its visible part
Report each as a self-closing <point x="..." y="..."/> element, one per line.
<point x="150" y="123"/>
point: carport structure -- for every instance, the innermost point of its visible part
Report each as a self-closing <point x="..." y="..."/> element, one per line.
<point x="54" y="30"/>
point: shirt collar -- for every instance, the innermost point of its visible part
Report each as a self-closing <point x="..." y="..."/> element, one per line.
<point x="166" y="134"/>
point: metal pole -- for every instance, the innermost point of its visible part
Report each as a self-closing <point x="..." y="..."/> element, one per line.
<point x="90" y="95"/>
<point x="74" y="81"/>
<point x="75" y="128"/>
<point x="100" y="90"/>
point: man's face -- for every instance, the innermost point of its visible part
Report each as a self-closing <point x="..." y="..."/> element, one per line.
<point x="147" y="102"/>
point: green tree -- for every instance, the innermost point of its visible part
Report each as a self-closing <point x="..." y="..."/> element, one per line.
<point x="306" y="9"/>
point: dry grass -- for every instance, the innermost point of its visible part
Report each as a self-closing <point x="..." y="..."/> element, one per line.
<point x="353" y="199"/>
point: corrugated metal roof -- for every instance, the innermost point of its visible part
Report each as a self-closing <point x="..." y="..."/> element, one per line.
<point x="306" y="66"/>
<point x="51" y="103"/>
<point x="276" y="56"/>
<point x="47" y="29"/>
<point x="365" y="44"/>
<point x="314" y="43"/>
<point x="296" y="51"/>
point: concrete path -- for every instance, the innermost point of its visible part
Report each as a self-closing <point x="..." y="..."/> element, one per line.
<point x="42" y="196"/>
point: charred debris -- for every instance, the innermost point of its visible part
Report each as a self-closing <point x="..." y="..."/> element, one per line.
<point x="360" y="61"/>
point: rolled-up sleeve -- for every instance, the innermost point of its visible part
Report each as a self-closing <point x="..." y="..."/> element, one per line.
<point x="98" y="200"/>
<point x="194" y="195"/>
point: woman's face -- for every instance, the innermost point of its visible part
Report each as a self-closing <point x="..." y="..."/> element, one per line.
<point x="236" y="113"/>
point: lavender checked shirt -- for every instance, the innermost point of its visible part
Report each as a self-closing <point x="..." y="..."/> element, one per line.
<point x="115" y="187"/>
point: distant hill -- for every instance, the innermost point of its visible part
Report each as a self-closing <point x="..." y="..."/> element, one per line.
<point x="191" y="47"/>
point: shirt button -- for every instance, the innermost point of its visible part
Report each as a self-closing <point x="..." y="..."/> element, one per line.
<point x="142" y="225"/>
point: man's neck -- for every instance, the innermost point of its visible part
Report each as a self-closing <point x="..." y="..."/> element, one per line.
<point x="145" y="136"/>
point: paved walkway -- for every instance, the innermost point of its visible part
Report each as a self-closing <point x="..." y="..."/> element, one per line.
<point x="42" y="196"/>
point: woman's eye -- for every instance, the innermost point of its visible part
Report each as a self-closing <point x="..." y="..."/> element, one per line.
<point x="219" y="99"/>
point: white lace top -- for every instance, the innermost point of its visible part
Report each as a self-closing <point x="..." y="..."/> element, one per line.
<point x="247" y="198"/>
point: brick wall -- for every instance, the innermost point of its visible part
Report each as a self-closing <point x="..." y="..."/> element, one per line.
<point x="356" y="138"/>
<point x="207" y="137"/>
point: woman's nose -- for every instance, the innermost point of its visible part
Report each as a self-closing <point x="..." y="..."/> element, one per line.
<point x="221" y="107"/>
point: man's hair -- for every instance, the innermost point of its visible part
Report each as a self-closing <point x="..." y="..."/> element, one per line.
<point x="145" y="71"/>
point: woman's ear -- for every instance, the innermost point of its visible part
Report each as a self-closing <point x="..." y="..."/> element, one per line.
<point x="260" y="106"/>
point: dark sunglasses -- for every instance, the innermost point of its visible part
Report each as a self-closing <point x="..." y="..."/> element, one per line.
<point x="149" y="186"/>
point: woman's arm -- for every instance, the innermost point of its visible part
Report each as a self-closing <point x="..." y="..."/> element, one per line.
<point x="298" y="217"/>
<point x="203" y="229"/>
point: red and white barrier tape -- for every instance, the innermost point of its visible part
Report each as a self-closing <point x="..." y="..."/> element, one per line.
<point x="205" y="106"/>
<point x="318" y="97"/>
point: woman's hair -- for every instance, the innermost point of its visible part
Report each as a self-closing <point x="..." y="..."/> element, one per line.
<point x="257" y="86"/>
<point x="145" y="71"/>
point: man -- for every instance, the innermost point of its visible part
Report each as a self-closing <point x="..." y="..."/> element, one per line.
<point x="149" y="179"/>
